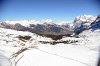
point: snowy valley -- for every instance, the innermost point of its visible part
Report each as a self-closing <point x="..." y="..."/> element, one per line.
<point x="46" y="43"/>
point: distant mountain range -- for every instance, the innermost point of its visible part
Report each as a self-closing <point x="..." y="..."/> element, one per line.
<point x="45" y="28"/>
<point x="48" y="27"/>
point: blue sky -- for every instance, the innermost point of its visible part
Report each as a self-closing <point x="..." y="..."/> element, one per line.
<point x="47" y="9"/>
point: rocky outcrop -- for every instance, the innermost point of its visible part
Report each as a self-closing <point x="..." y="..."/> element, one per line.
<point x="96" y="24"/>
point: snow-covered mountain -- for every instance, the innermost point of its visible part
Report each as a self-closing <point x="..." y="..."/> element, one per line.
<point x="20" y="46"/>
<point x="86" y="22"/>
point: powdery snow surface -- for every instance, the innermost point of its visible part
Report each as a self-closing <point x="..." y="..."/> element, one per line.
<point x="4" y="60"/>
<point x="39" y="58"/>
<point x="83" y="53"/>
<point x="59" y="55"/>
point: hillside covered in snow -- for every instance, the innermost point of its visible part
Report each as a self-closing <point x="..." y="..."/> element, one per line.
<point x="45" y="43"/>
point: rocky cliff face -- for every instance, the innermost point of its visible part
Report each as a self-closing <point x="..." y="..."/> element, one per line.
<point x="96" y="24"/>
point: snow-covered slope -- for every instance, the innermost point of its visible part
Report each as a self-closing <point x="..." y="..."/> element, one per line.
<point x="32" y="52"/>
<point x="10" y="37"/>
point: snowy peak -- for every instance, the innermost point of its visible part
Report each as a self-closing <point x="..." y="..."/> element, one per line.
<point x="86" y="18"/>
<point x="86" y="22"/>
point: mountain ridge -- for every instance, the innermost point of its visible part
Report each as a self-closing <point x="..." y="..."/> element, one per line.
<point x="49" y="27"/>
